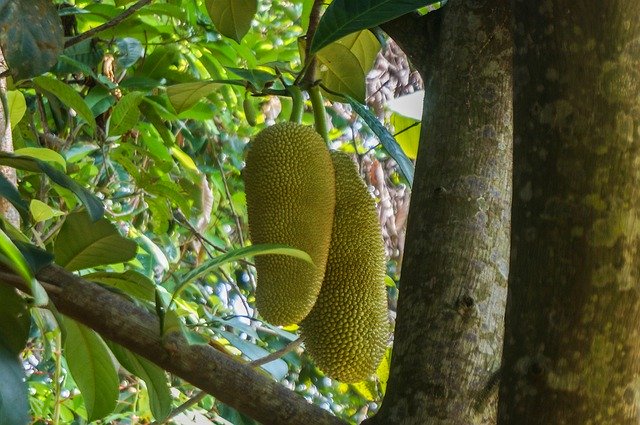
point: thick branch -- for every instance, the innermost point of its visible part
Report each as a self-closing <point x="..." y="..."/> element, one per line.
<point x="119" y="320"/>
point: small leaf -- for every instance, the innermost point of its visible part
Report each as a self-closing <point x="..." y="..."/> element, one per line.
<point x="160" y="398"/>
<point x="184" y="96"/>
<point x="16" y="105"/>
<point x="125" y="114"/>
<point x="387" y="140"/>
<point x="130" y="50"/>
<point x="68" y="96"/>
<point x="15" y="320"/>
<point x="42" y="212"/>
<point x="31" y="37"/>
<point x="232" y="18"/>
<point x="9" y="192"/>
<point x="14" y="403"/>
<point x="11" y="256"/>
<point x="90" y="365"/>
<point x="343" y="17"/>
<point x="81" y="243"/>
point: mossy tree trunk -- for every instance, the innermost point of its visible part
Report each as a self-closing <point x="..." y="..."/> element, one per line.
<point x="572" y="343"/>
<point x="448" y="337"/>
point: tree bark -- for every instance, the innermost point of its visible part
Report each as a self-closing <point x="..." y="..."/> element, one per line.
<point x="119" y="320"/>
<point x="7" y="211"/>
<point x="572" y="345"/>
<point x="448" y="337"/>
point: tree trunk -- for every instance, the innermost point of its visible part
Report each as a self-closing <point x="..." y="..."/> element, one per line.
<point x="7" y="211"/>
<point x="448" y="337"/>
<point x="572" y="340"/>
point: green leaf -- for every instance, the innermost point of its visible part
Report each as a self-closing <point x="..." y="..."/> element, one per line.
<point x="184" y="96"/>
<point x="68" y="96"/>
<point x="42" y="212"/>
<point x="155" y="378"/>
<point x="81" y="243"/>
<point x="387" y="140"/>
<point x="407" y="133"/>
<point x="10" y="193"/>
<point x="16" y="105"/>
<point x="92" y="369"/>
<point x="130" y="282"/>
<point x="31" y="37"/>
<point x="11" y="256"/>
<point x="43" y="154"/>
<point x="232" y="18"/>
<point x="343" y="17"/>
<point x="125" y="114"/>
<point x="14" y="403"/>
<point x="15" y="320"/>
<point x="345" y="64"/>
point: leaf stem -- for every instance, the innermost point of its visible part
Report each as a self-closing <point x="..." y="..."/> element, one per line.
<point x="297" y="109"/>
<point x="319" y="112"/>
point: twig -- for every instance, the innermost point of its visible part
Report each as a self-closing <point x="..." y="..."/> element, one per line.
<point x="109" y="24"/>
<point x="277" y="354"/>
<point x="182" y="408"/>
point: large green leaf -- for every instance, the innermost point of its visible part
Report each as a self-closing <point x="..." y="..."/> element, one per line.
<point x="15" y="320"/>
<point x="14" y="404"/>
<point x="68" y="96"/>
<point x="17" y="106"/>
<point x="387" y="140"/>
<point x="125" y="114"/>
<point x="184" y="96"/>
<point x="92" y="369"/>
<point x="130" y="282"/>
<point x="154" y="377"/>
<point x="343" y="17"/>
<point x="345" y="64"/>
<point x="232" y="18"/>
<point x="30" y="36"/>
<point x="93" y="204"/>
<point x="82" y="243"/>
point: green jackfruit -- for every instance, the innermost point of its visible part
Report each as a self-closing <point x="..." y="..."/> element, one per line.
<point x="290" y="190"/>
<point x="346" y="332"/>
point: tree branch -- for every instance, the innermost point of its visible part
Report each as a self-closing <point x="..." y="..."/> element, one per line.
<point x="119" y="320"/>
<point x="109" y="24"/>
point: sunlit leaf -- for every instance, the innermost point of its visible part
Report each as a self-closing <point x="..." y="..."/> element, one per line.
<point x="92" y="369"/>
<point x="81" y="243"/>
<point x="345" y="64"/>
<point x="407" y="133"/>
<point x="232" y="18"/>
<point x="41" y="211"/>
<point x="43" y="154"/>
<point x="16" y="105"/>
<point x="184" y="96"/>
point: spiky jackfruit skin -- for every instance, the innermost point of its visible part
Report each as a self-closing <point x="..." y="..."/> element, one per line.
<point x="290" y="191"/>
<point x="346" y="332"/>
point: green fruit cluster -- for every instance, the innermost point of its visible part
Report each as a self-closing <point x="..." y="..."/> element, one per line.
<point x="301" y="195"/>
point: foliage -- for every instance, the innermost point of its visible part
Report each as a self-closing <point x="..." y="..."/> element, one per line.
<point x="140" y="134"/>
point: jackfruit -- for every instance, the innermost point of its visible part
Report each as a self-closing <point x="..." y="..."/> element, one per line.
<point x="346" y="332"/>
<point x="290" y="191"/>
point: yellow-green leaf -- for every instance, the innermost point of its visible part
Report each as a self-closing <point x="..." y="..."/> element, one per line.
<point x="16" y="105"/>
<point x="232" y="18"/>
<point x="43" y="154"/>
<point x="407" y="133"/>
<point x="184" y="96"/>
<point x="41" y="211"/>
<point x="68" y="96"/>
